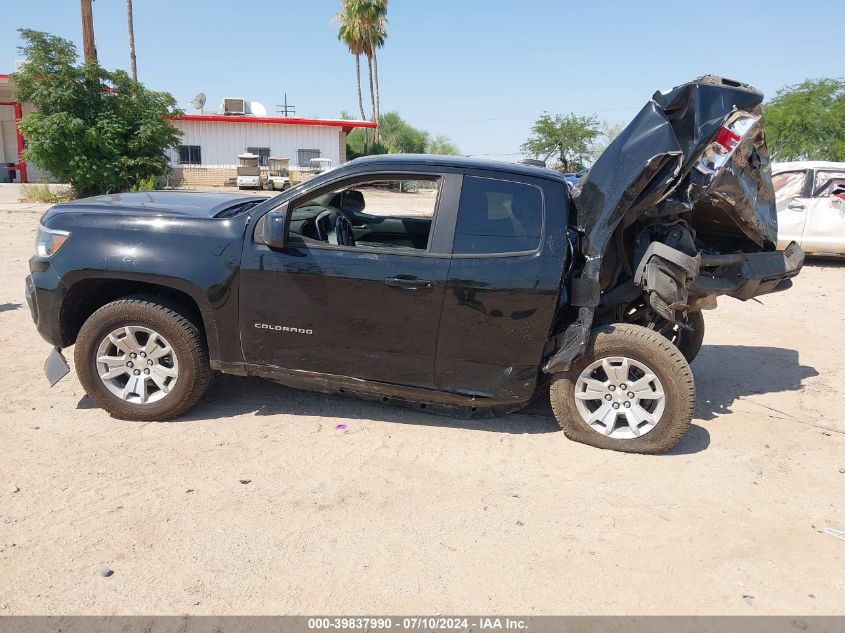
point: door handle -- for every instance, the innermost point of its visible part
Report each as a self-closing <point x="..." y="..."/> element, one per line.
<point x="408" y="282"/>
<point x="796" y="206"/>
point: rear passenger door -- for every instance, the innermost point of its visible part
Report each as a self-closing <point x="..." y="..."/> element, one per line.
<point x="824" y="229"/>
<point x="503" y="285"/>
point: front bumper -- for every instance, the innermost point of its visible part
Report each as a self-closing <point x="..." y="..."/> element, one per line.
<point x="44" y="310"/>
<point x="44" y="292"/>
<point x="747" y="275"/>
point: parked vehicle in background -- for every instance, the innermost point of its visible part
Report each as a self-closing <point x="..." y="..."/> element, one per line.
<point x="278" y="177"/>
<point x="504" y="283"/>
<point x="249" y="171"/>
<point x="811" y="210"/>
<point x="573" y="177"/>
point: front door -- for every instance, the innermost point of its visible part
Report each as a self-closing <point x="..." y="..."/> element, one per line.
<point x="792" y="201"/>
<point x="369" y="310"/>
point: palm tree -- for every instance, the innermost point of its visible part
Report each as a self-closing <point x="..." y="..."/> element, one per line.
<point x="377" y="34"/>
<point x="363" y="28"/>
<point x="351" y="33"/>
<point x="131" y="27"/>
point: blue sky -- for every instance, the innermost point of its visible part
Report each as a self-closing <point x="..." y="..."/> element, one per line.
<point x="477" y="71"/>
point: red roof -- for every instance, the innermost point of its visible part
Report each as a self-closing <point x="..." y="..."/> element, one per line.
<point x="346" y="124"/>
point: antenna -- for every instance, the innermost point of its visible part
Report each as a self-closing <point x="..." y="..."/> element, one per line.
<point x="285" y="109"/>
<point x="199" y="101"/>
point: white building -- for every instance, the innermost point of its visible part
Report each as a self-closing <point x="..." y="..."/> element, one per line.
<point x="208" y="153"/>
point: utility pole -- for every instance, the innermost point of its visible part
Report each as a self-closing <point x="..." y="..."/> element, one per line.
<point x="89" y="49"/>
<point x="132" y="63"/>
<point x="285" y="109"/>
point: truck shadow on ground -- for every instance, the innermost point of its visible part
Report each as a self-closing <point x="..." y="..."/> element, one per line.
<point x="235" y="395"/>
<point x="724" y="374"/>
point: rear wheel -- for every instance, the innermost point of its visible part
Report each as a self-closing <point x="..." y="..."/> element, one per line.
<point x="142" y="358"/>
<point x="690" y="341"/>
<point x="632" y="391"/>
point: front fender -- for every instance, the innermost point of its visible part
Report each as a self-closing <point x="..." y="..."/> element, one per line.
<point x="199" y="258"/>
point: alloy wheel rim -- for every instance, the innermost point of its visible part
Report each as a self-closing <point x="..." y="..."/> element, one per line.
<point x="137" y="364"/>
<point x="620" y="398"/>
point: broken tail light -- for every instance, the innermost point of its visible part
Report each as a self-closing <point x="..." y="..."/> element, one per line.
<point x="725" y="142"/>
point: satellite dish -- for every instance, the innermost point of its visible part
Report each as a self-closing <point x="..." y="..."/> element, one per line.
<point x="257" y="108"/>
<point x="199" y="101"/>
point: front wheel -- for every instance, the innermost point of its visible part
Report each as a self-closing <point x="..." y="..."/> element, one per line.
<point x="142" y="358"/>
<point x="632" y="391"/>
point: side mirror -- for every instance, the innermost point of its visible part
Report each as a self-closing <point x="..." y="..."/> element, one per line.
<point x="272" y="228"/>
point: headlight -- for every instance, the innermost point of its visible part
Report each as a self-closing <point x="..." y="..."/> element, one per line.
<point x="49" y="241"/>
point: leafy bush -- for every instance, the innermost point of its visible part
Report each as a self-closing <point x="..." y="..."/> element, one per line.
<point x="97" y="129"/>
<point x="149" y="183"/>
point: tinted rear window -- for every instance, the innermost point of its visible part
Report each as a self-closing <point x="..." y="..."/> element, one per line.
<point x="498" y="216"/>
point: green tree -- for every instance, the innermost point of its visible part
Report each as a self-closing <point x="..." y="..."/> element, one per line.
<point x="806" y="121"/>
<point x="441" y="145"/>
<point x="397" y="137"/>
<point x="97" y="129"/>
<point x="400" y="137"/>
<point x="571" y="136"/>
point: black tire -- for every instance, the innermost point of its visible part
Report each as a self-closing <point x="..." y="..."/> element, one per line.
<point x="161" y="315"/>
<point x="690" y="341"/>
<point x="661" y="357"/>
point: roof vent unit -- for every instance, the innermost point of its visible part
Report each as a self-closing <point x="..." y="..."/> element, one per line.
<point x="234" y="106"/>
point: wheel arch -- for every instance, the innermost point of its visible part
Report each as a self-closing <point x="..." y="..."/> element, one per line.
<point x="86" y="295"/>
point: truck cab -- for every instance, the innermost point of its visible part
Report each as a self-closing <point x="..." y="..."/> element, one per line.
<point x="441" y="273"/>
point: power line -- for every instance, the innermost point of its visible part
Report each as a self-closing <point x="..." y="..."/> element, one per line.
<point x="534" y="116"/>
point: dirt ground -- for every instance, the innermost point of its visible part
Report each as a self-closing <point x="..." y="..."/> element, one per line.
<point x="406" y="512"/>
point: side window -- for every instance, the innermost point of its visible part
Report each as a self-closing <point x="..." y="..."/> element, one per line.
<point x="826" y="182"/>
<point x="383" y="212"/>
<point x="788" y="185"/>
<point x="304" y="156"/>
<point x="190" y="155"/>
<point x="498" y="216"/>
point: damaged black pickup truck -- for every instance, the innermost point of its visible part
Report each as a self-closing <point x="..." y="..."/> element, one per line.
<point x="455" y="285"/>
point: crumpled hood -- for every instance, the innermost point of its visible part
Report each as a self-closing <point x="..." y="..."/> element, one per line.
<point x="658" y="166"/>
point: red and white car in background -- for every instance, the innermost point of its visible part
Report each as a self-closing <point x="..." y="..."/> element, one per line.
<point x="810" y="199"/>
